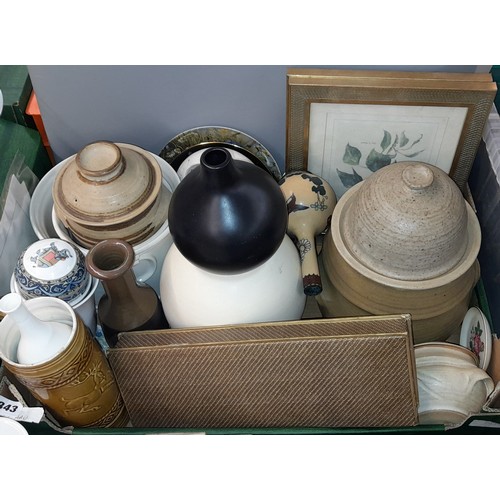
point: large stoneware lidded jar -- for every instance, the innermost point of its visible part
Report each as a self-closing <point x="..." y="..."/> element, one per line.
<point x="403" y="240"/>
<point x="110" y="191"/>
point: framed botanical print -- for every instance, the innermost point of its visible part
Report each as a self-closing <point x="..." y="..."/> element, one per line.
<point x="346" y="125"/>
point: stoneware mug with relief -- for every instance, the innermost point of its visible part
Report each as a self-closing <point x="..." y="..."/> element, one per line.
<point x="76" y="385"/>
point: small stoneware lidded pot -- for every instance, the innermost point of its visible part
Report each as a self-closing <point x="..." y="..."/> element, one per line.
<point x="52" y="268"/>
<point x="109" y="191"/>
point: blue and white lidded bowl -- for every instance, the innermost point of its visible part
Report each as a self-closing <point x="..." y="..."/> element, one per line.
<point x="52" y="267"/>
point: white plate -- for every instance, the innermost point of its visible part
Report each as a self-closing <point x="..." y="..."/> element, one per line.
<point x="476" y="335"/>
<point x="8" y="426"/>
<point x="41" y="205"/>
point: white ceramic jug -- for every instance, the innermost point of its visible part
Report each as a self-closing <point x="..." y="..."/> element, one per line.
<point x="39" y="340"/>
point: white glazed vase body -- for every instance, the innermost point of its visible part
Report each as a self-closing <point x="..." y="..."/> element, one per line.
<point x="194" y="297"/>
<point x="39" y="340"/>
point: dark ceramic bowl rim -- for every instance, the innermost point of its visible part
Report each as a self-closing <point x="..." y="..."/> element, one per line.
<point x="169" y="154"/>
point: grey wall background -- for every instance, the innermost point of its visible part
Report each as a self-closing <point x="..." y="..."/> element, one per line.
<point x="149" y="105"/>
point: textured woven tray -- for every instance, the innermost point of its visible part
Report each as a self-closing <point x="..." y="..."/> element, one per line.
<point x="344" y="372"/>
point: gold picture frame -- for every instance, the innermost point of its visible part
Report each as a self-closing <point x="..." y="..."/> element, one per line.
<point x="343" y="125"/>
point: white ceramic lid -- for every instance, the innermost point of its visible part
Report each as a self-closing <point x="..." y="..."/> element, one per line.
<point x="476" y="336"/>
<point x="51" y="259"/>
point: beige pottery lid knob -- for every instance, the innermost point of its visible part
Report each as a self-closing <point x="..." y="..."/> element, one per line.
<point x="407" y="221"/>
<point x="417" y="176"/>
<point x="100" y="161"/>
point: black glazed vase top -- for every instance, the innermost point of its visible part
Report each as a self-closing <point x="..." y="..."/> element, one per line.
<point x="227" y="216"/>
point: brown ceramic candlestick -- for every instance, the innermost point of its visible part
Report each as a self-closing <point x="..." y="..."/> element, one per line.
<point x="127" y="305"/>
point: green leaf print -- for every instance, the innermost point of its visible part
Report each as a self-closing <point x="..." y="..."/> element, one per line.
<point x="404" y="140"/>
<point x="412" y="155"/>
<point x="386" y="141"/>
<point x="352" y="155"/>
<point x="347" y="179"/>
<point x="416" y="141"/>
<point x="375" y="160"/>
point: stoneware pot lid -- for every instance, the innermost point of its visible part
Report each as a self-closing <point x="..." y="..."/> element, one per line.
<point x="407" y="221"/>
<point x="475" y="335"/>
<point x="106" y="183"/>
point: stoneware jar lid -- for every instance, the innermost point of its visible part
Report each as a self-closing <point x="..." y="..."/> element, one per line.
<point x="407" y="221"/>
<point x="106" y="184"/>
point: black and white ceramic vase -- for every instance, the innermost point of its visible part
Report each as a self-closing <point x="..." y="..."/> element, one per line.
<point x="226" y="215"/>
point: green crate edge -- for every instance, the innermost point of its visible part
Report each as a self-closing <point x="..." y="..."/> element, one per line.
<point x="478" y="298"/>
